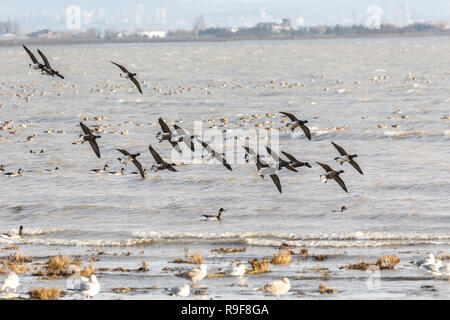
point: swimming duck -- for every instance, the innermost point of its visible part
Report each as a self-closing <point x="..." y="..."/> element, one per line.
<point x="99" y="171"/>
<point x="129" y="75"/>
<point x="214" y="218"/>
<point x="15" y="174"/>
<point x="118" y="173"/>
<point x="345" y="157"/>
<point x="332" y="174"/>
<point x="295" y="123"/>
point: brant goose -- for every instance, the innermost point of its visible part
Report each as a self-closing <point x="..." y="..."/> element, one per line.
<point x="298" y="123"/>
<point x="280" y="162"/>
<point x="167" y="134"/>
<point x="345" y="157"/>
<point x="129" y="75"/>
<point x="332" y="174"/>
<point x="36" y="65"/>
<point x="294" y="162"/>
<point x="88" y="136"/>
<point x="161" y="163"/>
<point x="214" y="218"/>
<point x="132" y="158"/>
<point x="47" y="65"/>
<point x="216" y="155"/>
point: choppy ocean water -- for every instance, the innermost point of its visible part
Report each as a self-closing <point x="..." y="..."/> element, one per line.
<point x="384" y="99"/>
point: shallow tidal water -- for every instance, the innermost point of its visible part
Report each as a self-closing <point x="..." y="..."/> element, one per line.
<point x="348" y="89"/>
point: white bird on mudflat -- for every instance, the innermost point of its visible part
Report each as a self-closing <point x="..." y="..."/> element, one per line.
<point x="196" y="274"/>
<point x="182" y="291"/>
<point x="11" y="282"/>
<point x="238" y="271"/>
<point x="276" y="288"/>
<point x="89" y="288"/>
<point x="444" y="270"/>
<point x="430" y="263"/>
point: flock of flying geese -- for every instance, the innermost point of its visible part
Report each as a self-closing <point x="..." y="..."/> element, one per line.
<point x="90" y="287"/>
<point x="180" y="135"/>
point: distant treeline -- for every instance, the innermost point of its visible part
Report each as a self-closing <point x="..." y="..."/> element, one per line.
<point x="264" y="30"/>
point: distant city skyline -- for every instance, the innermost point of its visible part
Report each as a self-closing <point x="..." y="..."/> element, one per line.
<point x="180" y="14"/>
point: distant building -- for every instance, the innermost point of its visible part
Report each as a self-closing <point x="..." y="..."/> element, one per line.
<point x="45" y="34"/>
<point x="153" y="34"/>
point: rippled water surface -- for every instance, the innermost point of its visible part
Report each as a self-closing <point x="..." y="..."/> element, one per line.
<point x="384" y="99"/>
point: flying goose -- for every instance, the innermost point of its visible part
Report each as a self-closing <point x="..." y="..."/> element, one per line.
<point x="167" y="134"/>
<point x="36" y="65"/>
<point x="161" y="163"/>
<point x="294" y="162"/>
<point x="265" y="169"/>
<point x="132" y="158"/>
<point x="280" y="162"/>
<point x="298" y="123"/>
<point x="88" y="136"/>
<point x="216" y="155"/>
<point x="183" y="136"/>
<point x="47" y="65"/>
<point x="332" y="174"/>
<point x="129" y="75"/>
<point x="345" y="157"/>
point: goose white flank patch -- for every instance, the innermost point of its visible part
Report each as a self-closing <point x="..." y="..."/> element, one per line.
<point x="11" y="282"/>
<point x="89" y="287"/>
<point x="276" y="288"/>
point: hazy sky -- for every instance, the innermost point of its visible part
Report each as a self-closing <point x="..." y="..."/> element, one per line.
<point x="171" y="14"/>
